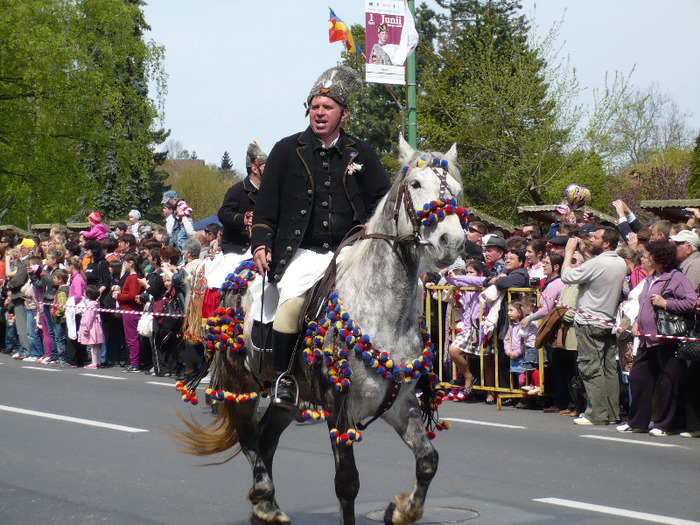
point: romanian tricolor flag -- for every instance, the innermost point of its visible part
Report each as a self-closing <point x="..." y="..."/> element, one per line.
<point x="337" y="31"/>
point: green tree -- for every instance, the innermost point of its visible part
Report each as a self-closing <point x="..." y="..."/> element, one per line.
<point x="491" y="97"/>
<point x="226" y="162"/>
<point x="122" y="162"/>
<point x="203" y="188"/>
<point x="75" y="118"/>
<point x="694" y="175"/>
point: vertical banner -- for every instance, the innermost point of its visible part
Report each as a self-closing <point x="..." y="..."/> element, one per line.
<point x="384" y="24"/>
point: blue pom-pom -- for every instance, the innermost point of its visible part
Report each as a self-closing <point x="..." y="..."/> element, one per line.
<point x="443" y="163"/>
<point x="436" y="161"/>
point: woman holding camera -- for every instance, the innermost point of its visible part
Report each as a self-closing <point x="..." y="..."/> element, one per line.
<point x="656" y="361"/>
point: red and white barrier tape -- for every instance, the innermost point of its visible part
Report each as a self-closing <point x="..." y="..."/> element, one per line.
<point x="619" y="328"/>
<point x="107" y="310"/>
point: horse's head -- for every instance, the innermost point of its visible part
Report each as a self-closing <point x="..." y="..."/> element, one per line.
<point x="425" y="201"/>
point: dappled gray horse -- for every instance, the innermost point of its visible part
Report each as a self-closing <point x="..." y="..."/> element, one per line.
<point x="365" y="355"/>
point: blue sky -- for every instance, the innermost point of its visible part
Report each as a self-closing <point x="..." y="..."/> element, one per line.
<point x="240" y="71"/>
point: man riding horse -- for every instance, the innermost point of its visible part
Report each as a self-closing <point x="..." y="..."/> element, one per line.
<point x="318" y="185"/>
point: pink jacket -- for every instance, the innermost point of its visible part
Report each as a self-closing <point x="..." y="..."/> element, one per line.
<point x="97" y="232"/>
<point x="77" y="287"/>
<point x="90" y="331"/>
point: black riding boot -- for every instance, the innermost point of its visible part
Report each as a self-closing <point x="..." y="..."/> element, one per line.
<point x="286" y="392"/>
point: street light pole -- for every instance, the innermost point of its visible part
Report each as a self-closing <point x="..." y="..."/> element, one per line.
<point x="411" y="88"/>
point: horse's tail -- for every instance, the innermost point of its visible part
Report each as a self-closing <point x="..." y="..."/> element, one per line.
<point x="220" y="435"/>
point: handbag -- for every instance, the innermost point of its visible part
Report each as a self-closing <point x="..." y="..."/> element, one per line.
<point x="145" y="325"/>
<point x="552" y="329"/>
<point x="670" y="323"/>
<point x="689" y="349"/>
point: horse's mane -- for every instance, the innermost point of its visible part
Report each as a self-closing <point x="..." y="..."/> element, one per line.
<point x="357" y="253"/>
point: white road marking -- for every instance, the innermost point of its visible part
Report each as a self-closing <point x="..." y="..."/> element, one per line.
<point x="101" y="376"/>
<point x="613" y="511"/>
<point x="172" y="385"/>
<point x="632" y="441"/>
<point x="46" y="369"/>
<point x="483" y="423"/>
<point x="70" y="419"/>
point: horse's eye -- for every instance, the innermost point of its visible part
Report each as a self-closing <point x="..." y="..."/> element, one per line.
<point x="415" y="184"/>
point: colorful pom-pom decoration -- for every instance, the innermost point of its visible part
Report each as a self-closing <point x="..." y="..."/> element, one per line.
<point x="437" y="210"/>
<point x="346" y="438"/>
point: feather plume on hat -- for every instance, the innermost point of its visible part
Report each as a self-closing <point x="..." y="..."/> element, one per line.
<point x="255" y="153"/>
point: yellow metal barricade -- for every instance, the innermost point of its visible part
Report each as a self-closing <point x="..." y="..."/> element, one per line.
<point x="508" y="391"/>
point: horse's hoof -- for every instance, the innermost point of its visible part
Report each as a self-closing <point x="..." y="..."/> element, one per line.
<point x="266" y="513"/>
<point x="396" y="512"/>
<point x="389" y="513"/>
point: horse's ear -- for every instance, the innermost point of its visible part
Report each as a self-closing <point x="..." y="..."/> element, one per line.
<point x="405" y="151"/>
<point x="451" y="155"/>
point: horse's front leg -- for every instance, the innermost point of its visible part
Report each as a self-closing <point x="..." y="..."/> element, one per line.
<point x="347" y="480"/>
<point x="273" y="423"/>
<point x="407" y="508"/>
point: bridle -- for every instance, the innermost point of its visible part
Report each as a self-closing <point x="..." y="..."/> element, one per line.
<point x="430" y="212"/>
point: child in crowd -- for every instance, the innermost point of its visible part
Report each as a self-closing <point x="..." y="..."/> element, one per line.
<point x="466" y="343"/>
<point x="58" y="311"/>
<point x="97" y="229"/>
<point x="75" y="352"/>
<point x="531" y="359"/>
<point x="111" y="323"/>
<point x="134" y="218"/>
<point x="513" y="344"/>
<point x="90" y="331"/>
<point x="33" y="305"/>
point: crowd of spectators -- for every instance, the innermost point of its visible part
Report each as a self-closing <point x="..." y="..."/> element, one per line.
<point x="591" y="290"/>
<point x="75" y="300"/>
<point x="78" y="301"/>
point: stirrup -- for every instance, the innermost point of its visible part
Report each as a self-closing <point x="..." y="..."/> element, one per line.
<point x="290" y="398"/>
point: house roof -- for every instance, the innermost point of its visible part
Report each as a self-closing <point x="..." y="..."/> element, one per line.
<point x="10" y="228"/>
<point x="544" y="212"/>
<point x="490" y="220"/>
<point x="669" y="209"/>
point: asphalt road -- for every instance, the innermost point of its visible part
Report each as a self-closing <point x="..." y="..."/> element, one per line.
<point x="114" y="464"/>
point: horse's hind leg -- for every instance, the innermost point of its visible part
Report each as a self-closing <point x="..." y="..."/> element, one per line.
<point x="262" y="494"/>
<point x="407" y="508"/>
